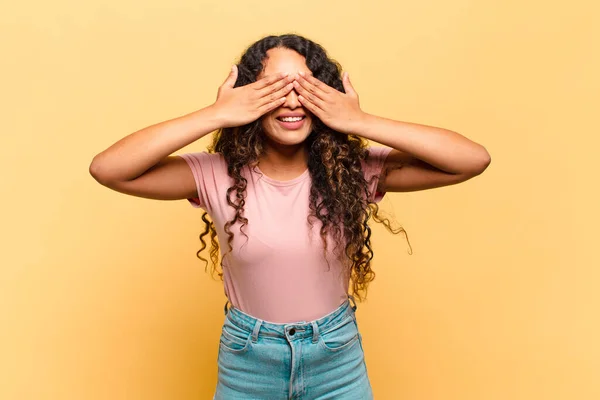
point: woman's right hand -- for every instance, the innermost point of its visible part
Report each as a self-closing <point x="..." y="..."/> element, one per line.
<point x="242" y="105"/>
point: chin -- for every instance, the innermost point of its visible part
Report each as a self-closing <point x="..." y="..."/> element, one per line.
<point x="290" y="138"/>
<point x="287" y="137"/>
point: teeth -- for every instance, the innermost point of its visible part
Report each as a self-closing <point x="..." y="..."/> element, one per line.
<point x="291" y="119"/>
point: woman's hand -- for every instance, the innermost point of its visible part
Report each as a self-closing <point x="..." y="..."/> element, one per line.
<point x="245" y="104"/>
<point x="339" y="111"/>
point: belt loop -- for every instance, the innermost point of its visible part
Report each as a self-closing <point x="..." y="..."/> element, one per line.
<point x="315" y="328"/>
<point x="256" y="330"/>
<point x="350" y="297"/>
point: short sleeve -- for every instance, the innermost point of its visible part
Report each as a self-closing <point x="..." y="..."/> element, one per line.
<point x="372" y="167"/>
<point x="207" y="169"/>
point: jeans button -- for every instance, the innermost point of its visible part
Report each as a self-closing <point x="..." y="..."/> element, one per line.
<point x="292" y="331"/>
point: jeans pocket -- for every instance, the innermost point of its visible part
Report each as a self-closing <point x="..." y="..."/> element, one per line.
<point x="340" y="337"/>
<point x="233" y="338"/>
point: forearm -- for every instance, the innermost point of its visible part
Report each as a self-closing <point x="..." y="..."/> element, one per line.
<point x="441" y="148"/>
<point x="134" y="154"/>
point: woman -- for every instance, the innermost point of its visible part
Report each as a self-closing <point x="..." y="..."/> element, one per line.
<point x="289" y="184"/>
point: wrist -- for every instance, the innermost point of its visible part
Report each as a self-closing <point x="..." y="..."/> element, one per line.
<point x="213" y="116"/>
<point x="360" y="123"/>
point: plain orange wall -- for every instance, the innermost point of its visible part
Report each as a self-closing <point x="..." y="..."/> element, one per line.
<point x="102" y="297"/>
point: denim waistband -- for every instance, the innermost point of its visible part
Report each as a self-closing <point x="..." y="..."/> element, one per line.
<point x="295" y="330"/>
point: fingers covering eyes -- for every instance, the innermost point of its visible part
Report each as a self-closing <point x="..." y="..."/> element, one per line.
<point x="269" y="80"/>
<point x="277" y="85"/>
<point x="275" y="96"/>
<point x="265" y="108"/>
<point x="310" y="90"/>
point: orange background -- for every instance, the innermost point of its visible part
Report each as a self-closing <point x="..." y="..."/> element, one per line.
<point x="102" y="297"/>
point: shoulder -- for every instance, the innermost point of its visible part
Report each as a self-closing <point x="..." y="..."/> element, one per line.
<point x="203" y="156"/>
<point x="204" y="161"/>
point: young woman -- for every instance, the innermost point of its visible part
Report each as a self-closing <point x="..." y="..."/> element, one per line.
<point x="289" y="184"/>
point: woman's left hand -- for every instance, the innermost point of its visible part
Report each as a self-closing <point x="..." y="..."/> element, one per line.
<point x="339" y="111"/>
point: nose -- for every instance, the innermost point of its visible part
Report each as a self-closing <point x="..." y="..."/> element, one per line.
<point x="291" y="100"/>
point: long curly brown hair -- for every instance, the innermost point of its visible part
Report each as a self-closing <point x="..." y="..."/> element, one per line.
<point x="339" y="191"/>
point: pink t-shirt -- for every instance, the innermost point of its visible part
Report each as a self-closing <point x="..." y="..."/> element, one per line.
<point x="279" y="273"/>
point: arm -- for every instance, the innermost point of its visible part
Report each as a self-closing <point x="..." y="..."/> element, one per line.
<point x="423" y="157"/>
<point x="140" y="164"/>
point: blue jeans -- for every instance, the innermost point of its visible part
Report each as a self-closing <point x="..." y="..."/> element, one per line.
<point x="320" y="359"/>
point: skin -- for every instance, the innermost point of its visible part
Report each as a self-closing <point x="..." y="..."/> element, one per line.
<point x="286" y="156"/>
<point x="422" y="157"/>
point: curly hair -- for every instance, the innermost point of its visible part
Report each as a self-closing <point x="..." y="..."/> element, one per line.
<point x="339" y="191"/>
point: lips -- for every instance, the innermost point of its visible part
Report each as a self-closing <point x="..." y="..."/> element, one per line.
<point x="296" y="122"/>
<point x="290" y="115"/>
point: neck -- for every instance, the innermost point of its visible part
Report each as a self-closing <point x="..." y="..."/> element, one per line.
<point x="284" y="162"/>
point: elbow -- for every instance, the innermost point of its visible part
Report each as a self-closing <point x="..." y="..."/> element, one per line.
<point x="98" y="172"/>
<point x="94" y="169"/>
<point x="484" y="161"/>
<point x="479" y="163"/>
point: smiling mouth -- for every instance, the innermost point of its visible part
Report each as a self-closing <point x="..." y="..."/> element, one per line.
<point x="291" y="119"/>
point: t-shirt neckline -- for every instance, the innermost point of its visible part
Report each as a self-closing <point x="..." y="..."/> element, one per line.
<point x="288" y="182"/>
